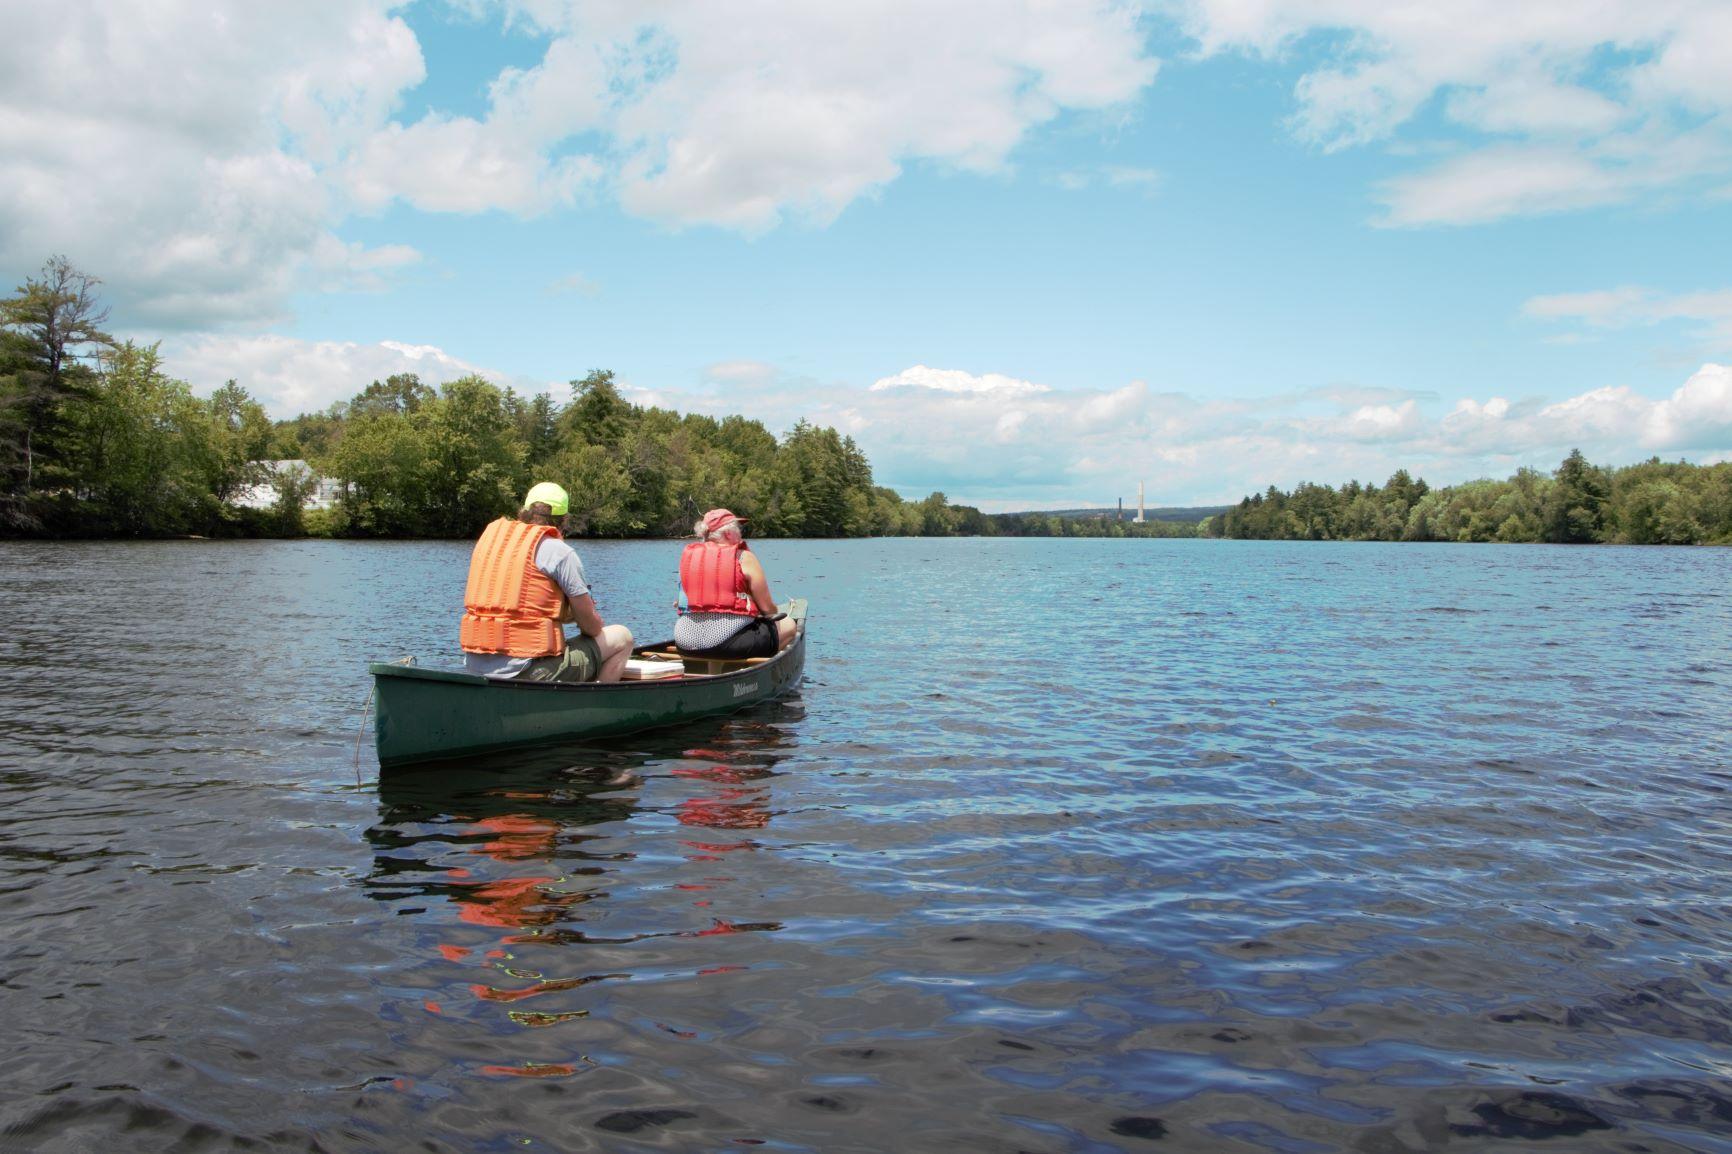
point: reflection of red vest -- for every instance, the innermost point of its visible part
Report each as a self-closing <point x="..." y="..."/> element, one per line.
<point x="510" y="606"/>
<point x="713" y="581"/>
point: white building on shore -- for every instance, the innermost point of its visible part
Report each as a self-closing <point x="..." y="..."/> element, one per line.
<point x="322" y="495"/>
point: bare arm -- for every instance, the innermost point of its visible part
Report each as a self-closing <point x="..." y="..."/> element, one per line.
<point x="560" y="563"/>
<point x="580" y="611"/>
<point x="757" y="584"/>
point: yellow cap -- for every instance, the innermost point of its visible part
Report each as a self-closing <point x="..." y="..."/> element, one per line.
<point x="550" y="495"/>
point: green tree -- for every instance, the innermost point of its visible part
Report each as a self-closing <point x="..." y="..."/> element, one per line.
<point x="597" y="415"/>
<point x="937" y="518"/>
<point x="539" y="429"/>
<point x="471" y="461"/>
<point x="814" y="462"/>
<point x="380" y="459"/>
<point x="599" y="487"/>
<point x="1576" y="509"/>
<point x="51" y="322"/>
<point x="294" y="484"/>
<point x="229" y="448"/>
<point x="131" y="432"/>
<point x="398" y="393"/>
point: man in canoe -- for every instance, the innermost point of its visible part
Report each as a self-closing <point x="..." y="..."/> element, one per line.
<point x="524" y="583"/>
<point x="729" y="612"/>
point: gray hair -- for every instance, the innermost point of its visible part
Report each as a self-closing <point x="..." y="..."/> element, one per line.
<point x="724" y="531"/>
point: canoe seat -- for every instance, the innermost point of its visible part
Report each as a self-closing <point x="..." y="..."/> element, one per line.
<point x="702" y="666"/>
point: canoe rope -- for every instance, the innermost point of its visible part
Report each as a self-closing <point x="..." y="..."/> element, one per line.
<point x="361" y="729"/>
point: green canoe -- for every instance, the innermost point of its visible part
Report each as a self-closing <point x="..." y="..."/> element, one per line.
<point x="426" y="715"/>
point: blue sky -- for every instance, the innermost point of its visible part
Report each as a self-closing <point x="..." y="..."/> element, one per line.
<point x="1023" y="253"/>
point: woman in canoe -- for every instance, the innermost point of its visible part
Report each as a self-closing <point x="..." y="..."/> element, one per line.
<point x="729" y="613"/>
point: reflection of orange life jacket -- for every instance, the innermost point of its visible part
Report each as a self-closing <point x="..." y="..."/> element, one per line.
<point x="712" y="579"/>
<point x="510" y="606"/>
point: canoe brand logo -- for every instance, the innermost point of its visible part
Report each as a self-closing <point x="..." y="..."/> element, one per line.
<point x="745" y="687"/>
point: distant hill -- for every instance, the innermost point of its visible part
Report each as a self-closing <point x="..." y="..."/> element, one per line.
<point x="1189" y="515"/>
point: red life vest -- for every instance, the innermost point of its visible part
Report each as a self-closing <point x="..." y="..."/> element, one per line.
<point x="713" y="581"/>
<point x="510" y="606"/>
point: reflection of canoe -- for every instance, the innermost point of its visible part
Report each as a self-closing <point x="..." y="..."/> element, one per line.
<point x="425" y="715"/>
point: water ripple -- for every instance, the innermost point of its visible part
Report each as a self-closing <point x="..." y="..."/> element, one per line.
<point x="1062" y="846"/>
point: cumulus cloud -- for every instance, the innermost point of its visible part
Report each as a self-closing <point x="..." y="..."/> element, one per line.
<point x="1380" y="422"/>
<point x="290" y="376"/>
<point x="1697" y="416"/>
<point x="957" y="381"/>
<point x="742" y="115"/>
<point x="1577" y="105"/>
<point x="181" y="158"/>
<point x="202" y="157"/>
<point x="1003" y="442"/>
<point x="1614" y="420"/>
<point x="1000" y="441"/>
<point x="463" y="165"/>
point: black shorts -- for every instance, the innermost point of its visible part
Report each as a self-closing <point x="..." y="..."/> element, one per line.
<point x="756" y="640"/>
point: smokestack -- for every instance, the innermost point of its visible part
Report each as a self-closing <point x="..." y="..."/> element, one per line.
<point x="1139" y="502"/>
<point x="1121" y="512"/>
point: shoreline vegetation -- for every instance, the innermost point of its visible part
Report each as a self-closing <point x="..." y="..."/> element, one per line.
<point x="1654" y="502"/>
<point x="98" y="441"/>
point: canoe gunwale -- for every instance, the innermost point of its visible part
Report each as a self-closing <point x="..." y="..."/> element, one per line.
<point x="417" y="673"/>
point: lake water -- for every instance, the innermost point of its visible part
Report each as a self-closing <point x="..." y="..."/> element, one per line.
<point x="1062" y="846"/>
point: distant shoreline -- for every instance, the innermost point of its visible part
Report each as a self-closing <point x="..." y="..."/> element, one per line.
<point x="237" y="538"/>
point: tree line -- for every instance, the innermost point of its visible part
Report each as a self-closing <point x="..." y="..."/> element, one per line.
<point x="1654" y="502"/>
<point x="98" y="440"/>
<point x="418" y="461"/>
<point x="95" y="438"/>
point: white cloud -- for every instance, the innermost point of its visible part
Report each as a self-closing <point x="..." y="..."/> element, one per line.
<point x="1498" y="182"/>
<point x="1697" y="416"/>
<point x="740" y="115"/>
<point x="957" y="381"/>
<point x="290" y="376"/>
<point x="1381" y="422"/>
<point x="1468" y="409"/>
<point x="1000" y="441"/>
<point x="175" y="150"/>
<point x="1105" y="411"/>
<point x="1615" y="420"/>
<point x="1003" y="442"/>
<point x="1538" y="104"/>
<point x="462" y="165"/>
<point x="1621" y="307"/>
<point x="202" y="157"/>
<point x="1602" y="307"/>
<point x="1584" y="104"/>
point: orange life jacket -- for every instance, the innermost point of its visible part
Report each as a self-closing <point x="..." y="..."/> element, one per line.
<point x="712" y="579"/>
<point x="510" y="606"/>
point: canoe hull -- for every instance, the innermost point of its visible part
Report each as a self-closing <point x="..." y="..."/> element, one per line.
<point x="426" y="715"/>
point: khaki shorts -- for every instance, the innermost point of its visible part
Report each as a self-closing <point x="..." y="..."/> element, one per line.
<point x="581" y="661"/>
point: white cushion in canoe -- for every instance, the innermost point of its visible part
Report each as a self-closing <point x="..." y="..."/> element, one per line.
<point x="645" y="669"/>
